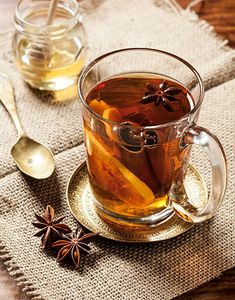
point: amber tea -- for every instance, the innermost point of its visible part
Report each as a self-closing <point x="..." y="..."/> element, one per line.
<point x="131" y="175"/>
<point x="140" y="108"/>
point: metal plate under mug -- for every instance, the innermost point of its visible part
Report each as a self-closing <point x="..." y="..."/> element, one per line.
<point x="80" y="200"/>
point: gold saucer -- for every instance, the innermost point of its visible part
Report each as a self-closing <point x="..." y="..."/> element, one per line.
<point x="80" y="201"/>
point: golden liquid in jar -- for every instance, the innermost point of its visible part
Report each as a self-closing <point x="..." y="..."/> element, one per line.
<point x="51" y="64"/>
<point x="51" y="69"/>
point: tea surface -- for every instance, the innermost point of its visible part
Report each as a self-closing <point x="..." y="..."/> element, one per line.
<point x="125" y="94"/>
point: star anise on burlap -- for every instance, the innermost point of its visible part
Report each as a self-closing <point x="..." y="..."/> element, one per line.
<point x="50" y="228"/>
<point x="161" y="94"/>
<point x="71" y="245"/>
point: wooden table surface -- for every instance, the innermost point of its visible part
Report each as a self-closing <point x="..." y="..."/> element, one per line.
<point x="220" y="14"/>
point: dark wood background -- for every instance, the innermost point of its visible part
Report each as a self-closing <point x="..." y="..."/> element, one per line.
<point x="220" y="14"/>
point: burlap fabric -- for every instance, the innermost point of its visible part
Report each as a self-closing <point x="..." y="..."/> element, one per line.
<point x="115" y="270"/>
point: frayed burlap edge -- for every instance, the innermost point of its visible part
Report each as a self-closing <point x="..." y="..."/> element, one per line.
<point x="18" y="276"/>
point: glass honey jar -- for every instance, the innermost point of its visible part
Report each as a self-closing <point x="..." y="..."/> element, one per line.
<point x="49" y="56"/>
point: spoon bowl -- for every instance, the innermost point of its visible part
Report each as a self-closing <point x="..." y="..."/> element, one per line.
<point x="31" y="157"/>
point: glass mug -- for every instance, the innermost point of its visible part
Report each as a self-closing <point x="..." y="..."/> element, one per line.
<point x="136" y="171"/>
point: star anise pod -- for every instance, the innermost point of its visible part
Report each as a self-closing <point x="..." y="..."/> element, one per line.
<point x="50" y="228"/>
<point x="162" y="94"/>
<point x="71" y="245"/>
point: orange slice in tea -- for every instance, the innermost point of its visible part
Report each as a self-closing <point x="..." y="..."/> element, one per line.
<point x="114" y="115"/>
<point x="99" y="106"/>
<point x="112" y="176"/>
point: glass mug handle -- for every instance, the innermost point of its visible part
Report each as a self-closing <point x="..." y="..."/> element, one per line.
<point x="213" y="148"/>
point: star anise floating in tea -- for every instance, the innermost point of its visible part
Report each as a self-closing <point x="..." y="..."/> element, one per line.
<point x="161" y="94"/>
<point x="59" y="235"/>
<point x="72" y="245"/>
<point x="50" y="228"/>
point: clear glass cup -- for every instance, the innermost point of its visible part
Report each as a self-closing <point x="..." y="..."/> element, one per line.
<point x="50" y="55"/>
<point x="123" y="196"/>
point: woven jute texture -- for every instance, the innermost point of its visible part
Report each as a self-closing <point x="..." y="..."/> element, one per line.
<point x="116" y="270"/>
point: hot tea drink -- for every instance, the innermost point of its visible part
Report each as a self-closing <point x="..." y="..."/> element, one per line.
<point x="140" y="108"/>
<point x="131" y="171"/>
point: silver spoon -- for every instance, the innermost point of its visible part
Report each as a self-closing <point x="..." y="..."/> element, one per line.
<point x="31" y="157"/>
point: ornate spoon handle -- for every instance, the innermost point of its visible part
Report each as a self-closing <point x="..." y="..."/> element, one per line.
<point x="7" y="99"/>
